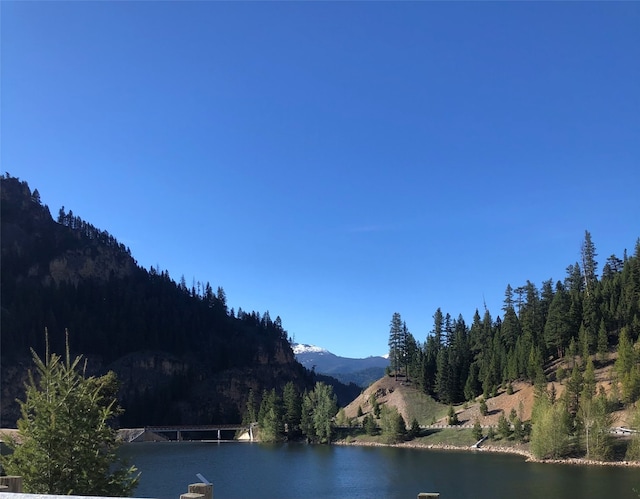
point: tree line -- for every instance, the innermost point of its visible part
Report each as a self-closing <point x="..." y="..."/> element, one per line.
<point x="292" y="415"/>
<point x="85" y="229"/>
<point x="314" y="415"/>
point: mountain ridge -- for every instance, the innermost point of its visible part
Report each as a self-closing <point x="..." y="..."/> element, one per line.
<point x="361" y="371"/>
<point x="181" y="357"/>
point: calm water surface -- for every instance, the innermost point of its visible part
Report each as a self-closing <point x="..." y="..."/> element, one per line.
<point x="298" y="471"/>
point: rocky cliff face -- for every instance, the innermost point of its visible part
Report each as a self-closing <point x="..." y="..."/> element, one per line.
<point x="39" y="248"/>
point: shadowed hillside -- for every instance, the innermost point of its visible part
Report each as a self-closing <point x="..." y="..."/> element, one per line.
<point x="181" y="355"/>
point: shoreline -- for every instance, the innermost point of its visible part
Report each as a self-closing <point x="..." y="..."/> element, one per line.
<point x="494" y="449"/>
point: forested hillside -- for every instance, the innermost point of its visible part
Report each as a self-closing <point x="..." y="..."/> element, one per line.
<point x="182" y="356"/>
<point x="575" y="341"/>
<point x="582" y="315"/>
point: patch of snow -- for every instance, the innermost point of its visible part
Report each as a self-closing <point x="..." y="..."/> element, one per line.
<point x="299" y="348"/>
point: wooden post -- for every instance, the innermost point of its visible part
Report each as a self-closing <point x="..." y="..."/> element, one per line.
<point x="429" y="495"/>
<point x="206" y="489"/>
<point x="14" y="483"/>
<point x="191" y="495"/>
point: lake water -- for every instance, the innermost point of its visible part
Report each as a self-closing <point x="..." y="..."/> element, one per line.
<point x="299" y="471"/>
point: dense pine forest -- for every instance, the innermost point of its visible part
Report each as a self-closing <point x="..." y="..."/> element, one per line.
<point x="183" y="357"/>
<point x="110" y="305"/>
<point x="582" y="315"/>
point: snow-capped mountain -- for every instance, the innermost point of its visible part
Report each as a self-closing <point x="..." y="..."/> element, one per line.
<point x="362" y="372"/>
<point x="300" y="348"/>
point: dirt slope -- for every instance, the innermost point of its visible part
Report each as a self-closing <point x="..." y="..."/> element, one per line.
<point x="411" y="403"/>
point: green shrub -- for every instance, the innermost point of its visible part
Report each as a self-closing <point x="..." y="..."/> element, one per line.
<point x="477" y="430"/>
<point x="483" y="407"/>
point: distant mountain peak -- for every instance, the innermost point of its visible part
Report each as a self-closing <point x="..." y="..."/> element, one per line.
<point x="362" y="372"/>
<point x="299" y="348"/>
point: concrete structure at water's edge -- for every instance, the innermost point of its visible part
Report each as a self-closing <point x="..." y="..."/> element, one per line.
<point x="203" y="433"/>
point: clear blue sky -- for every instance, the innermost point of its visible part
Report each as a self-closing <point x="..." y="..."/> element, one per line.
<point x="334" y="162"/>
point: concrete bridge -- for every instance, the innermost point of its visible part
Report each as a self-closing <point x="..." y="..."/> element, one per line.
<point x="205" y="433"/>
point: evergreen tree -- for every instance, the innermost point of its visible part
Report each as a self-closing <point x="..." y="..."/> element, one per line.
<point x="369" y="425"/>
<point x="443" y="377"/>
<point x="603" y="342"/>
<point x="375" y="406"/>
<point x="392" y="425"/>
<point x="588" y="381"/>
<point x="557" y="329"/>
<point x="67" y="445"/>
<point x="452" y="417"/>
<point x="511" y="329"/>
<point x="250" y="414"/>
<point x="504" y="428"/>
<point x="483" y="407"/>
<point x="535" y="364"/>
<point x="531" y="314"/>
<point x="459" y="360"/>
<point x="475" y="335"/>
<point x="477" y="430"/>
<point x="221" y="299"/>
<point x="472" y="387"/>
<point x="414" y="431"/>
<point x="573" y="390"/>
<point x="589" y="264"/>
<point x="413" y="358"/>
<point x="396" y="344"/>
<point x="518" y="430"/>
<point x="508" y="298"/>
<point x="591" y="318"/>
<point x="546" y="297"/>
<point x="430" y="365"/>
<point x="438" y="327"/>
<point x="270" y="417"/>
<point x="292" y="407"/>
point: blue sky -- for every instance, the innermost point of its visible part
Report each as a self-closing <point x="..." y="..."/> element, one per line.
<point x="334" y="162"/>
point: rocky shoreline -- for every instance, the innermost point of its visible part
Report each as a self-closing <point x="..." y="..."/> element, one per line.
<point x="495" y="449"/>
